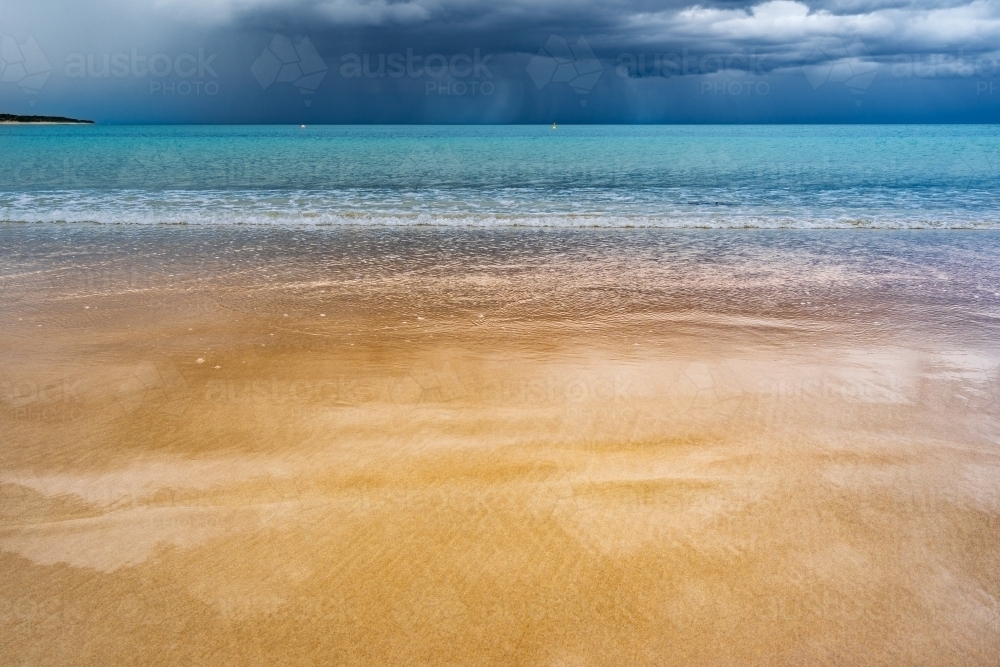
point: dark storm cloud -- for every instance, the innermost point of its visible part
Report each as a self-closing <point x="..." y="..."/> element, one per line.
<point x="788" y="30"/>
<point x="782" y="33"/>
<point x="660" y="60"/>
<point x="926" y="24"/>
<point x="513" y="25"/>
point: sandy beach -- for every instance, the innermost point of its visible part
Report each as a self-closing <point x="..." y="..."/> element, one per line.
<point x="423" y="447"/>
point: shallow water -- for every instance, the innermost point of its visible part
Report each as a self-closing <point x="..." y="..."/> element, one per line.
<point x="246" y="445"/>
<point x="877" y="176"/>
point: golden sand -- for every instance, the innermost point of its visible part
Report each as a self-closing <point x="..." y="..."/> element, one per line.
<point x="535" y="463"/>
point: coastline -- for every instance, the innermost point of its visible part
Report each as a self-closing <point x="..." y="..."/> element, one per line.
<point x="15" y="119"/>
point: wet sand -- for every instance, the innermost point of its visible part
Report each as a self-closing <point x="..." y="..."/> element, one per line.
<point x="429" y="447"/>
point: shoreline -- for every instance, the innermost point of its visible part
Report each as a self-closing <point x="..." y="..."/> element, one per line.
<point x="371" y="447"/>
<point x="332" y="227"/>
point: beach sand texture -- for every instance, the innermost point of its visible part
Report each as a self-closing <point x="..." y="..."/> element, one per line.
<point x="467" y="448"/>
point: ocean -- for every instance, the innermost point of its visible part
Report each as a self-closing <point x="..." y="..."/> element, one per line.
<point x="762" y="176"/>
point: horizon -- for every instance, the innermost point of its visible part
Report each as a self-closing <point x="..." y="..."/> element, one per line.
<point x="69" y="120"/>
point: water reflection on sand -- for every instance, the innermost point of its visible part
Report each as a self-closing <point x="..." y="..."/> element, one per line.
<point x="434" y="446"/>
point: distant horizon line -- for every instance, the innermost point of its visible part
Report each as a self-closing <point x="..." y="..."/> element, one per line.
<point x="5" y="119"/>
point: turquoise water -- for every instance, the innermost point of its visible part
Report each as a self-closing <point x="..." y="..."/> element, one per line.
<point x="935" y="176"/>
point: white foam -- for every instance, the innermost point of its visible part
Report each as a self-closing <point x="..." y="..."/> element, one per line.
<point x="486" y="209"/>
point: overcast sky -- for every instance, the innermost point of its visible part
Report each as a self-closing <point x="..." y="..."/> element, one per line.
<point x="502" y="61"/>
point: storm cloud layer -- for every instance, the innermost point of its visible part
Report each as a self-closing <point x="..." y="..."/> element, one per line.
<point x="515" y="61"/>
